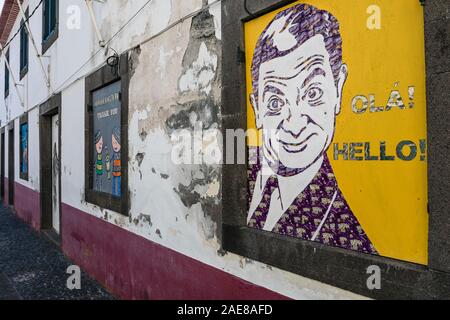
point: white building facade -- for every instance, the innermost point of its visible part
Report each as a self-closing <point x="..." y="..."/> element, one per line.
<point x="156" y="67"/>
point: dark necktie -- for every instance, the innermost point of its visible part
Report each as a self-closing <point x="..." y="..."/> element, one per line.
<point x="259" y="217"/>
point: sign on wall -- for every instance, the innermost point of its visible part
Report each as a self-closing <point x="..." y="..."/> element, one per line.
<point x="336" y="91"/>
<point x="107" y="139"/>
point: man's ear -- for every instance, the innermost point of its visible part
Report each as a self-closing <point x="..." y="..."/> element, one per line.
<point x="343" y="74"/>
<point x="255" y="106"/>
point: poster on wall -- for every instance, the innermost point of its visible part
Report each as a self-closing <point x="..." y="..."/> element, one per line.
<point x="336" y="93"/>
<point x="24" y="149"/>
<point x="107" y="140"/>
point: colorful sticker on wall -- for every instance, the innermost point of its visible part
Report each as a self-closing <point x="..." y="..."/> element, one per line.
<point x="24" y="148"/>
<point x="336" y="91"/>
<point x="107" y="140"/>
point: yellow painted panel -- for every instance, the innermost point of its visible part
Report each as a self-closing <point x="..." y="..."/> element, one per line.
<point x="389" y="198"/>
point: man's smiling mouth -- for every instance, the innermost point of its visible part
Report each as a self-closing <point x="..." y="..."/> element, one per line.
<point x="296" y="147"/>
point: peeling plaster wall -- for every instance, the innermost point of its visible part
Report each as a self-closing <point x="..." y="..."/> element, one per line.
<point x="175" y="84"/>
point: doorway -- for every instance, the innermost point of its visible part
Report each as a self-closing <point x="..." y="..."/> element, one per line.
<point x="11" y="166"/>
<point x="2" y="166"/>
<point x="55" y="174"/>
<point x="50" y="158"/>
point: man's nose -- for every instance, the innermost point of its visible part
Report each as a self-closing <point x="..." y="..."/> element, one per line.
<point x="295" y="121"/>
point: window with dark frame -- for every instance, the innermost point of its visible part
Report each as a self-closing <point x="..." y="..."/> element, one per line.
<point x="49" y="23"/>
<point x="24" y="48"/>
<point x="7" y="74"/>
<point x="106" y="140"/>
<point x="106" y="114"/>
<point x="23" y="147"/>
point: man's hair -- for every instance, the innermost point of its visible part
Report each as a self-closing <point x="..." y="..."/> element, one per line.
<point x="303" y="21"/>
<point x="97" y="137"/>
<point x="116" y="134"/>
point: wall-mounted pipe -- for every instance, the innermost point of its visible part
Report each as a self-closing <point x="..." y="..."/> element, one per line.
<point x="90" y="6"/>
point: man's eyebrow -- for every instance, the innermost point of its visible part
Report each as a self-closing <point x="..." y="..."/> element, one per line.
<point x="273" y="89"/>
<point x="316" y="72"/>
<point x="311" y="61"/>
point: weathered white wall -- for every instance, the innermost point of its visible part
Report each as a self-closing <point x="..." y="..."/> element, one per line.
<point x="175" y="85"/>
<point x="72" y="49"/>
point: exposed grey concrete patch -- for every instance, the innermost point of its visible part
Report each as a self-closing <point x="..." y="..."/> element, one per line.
<point x="188" y="196"/>
<point x="105" y="214"/>
<point x="203" y="111"/>
<point x="211" y="207"/>
<point x="146" y="218"/>
<point x="202" y="29"/>
<point x="199" y="108"/>
<point x="139" y="158"/>
<point x="164" y="176"/>
<point x="134" y="60"/>
<point x="221" y="252"/>
<point x="143" y="135"/>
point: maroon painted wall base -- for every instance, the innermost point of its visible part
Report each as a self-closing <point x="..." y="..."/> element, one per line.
<point x="132" y="267"/>
<point x="27" y="205"/>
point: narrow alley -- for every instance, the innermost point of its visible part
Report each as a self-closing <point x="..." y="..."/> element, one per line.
<point x="33" y="268"/>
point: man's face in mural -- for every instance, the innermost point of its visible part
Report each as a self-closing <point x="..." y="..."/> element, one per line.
<point x="115" y="144"/>
<point x="99" y="145"/>
<point x="296" y="105"/>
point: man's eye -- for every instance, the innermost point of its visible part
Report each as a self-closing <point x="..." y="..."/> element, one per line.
<point x="314" y="94"/>
<point x="275" y="104"/>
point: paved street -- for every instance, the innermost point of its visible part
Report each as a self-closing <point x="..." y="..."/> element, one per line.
<point x="33" y="268"/>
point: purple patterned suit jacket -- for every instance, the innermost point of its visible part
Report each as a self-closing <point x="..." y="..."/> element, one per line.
<point x="304" y="216"/>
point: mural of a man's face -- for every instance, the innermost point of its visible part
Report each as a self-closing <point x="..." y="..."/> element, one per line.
<point x="99" y="145"/>
<point x="297" y="102"/>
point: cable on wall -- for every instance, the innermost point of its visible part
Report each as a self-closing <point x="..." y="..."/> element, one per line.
<point x="64" y="84"/>
<point x="20" y="28"/>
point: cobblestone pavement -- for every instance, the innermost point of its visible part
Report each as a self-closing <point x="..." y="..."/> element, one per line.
<point x="33" y="268"/>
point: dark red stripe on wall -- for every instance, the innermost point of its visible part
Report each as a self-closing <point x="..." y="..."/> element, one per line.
<point x="27" y="205"/>
<point x="132" y="267"/>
